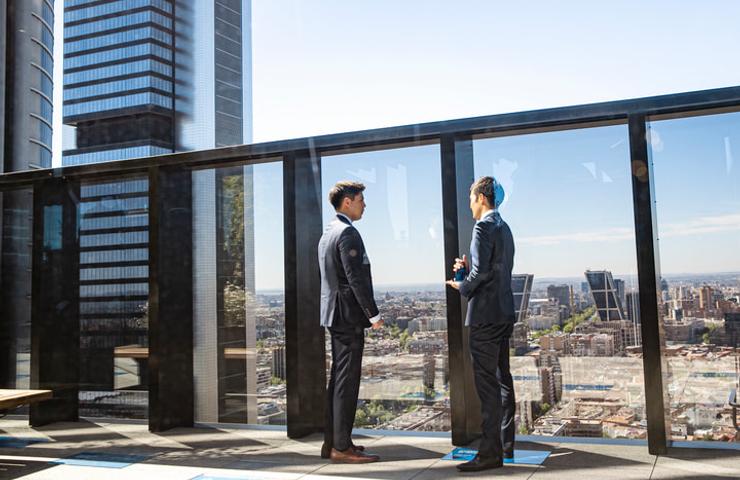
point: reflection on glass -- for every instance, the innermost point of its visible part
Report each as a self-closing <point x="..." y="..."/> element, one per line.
<point x="16" y="228"/>
<point x="239" y="320"/>
<point x="575" y="351"/>
<point x="114" y="288"/>
<point x="697" y="191"/>
<point x="404" y="371"/>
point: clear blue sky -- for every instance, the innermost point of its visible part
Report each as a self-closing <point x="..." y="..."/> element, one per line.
<point x="330" y="66"/>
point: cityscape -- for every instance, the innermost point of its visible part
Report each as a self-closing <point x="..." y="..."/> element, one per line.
<point x="576" y="361"/>
<point x="577" y="347"/>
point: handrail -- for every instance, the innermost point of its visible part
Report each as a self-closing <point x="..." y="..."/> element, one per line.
<point x="677" y="104"/>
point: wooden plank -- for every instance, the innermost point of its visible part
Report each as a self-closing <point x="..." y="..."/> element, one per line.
<point x="15" y="398"/>
<point x="137" y="352"/>
<point x="131" y="351"/>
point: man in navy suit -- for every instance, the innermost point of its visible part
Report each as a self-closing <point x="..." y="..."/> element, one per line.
<point x="491" y="317"/>
<point x="347" y="308"/>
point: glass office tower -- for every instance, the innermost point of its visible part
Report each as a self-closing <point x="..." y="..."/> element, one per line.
<point x="141" y="78"/>
<point x="521" y="286"/>
<point x="26" y="96"/>
<point x="605" y="294"/>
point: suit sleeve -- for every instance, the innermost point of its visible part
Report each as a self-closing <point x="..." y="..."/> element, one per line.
<point x="481" y="251"/>
<point x="351" y="252"/>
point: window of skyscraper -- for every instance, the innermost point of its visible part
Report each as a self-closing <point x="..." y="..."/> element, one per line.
<point x="405" y="382"/>
<point x="239" y="361"/>
<point x="697" y="193"/>
<point x="568" y="201"/>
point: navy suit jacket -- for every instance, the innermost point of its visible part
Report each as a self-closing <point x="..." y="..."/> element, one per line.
<point x="347" y="299"/>
<point x="488" y="284"/>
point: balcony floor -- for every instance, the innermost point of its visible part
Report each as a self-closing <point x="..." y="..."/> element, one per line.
<point x="184" y="454"/>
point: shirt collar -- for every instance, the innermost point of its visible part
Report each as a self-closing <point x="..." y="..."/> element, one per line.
<point x="487" y="213"/>
<point x="344" y="216"/>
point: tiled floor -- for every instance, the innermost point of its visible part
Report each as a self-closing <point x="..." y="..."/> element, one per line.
<point x="210" y="453"/>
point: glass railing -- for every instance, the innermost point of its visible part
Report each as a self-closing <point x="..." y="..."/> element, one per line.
<point x="184" y="288"/>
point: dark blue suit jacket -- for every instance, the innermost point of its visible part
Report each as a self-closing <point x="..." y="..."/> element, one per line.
<point x="347" y="298"/>
<point x="488" y="284"/>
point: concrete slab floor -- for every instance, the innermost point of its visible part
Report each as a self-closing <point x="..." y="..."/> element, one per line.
<point x="250" y="454"/>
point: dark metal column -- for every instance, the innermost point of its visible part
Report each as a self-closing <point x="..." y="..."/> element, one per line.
<point x="171" y="388"/>
<point x="55" y="327"/>
<point x="648" y="269"/>
<point x="304" y="338"/>
<point x="7" y="334"/>
<point x="457" y="176"/>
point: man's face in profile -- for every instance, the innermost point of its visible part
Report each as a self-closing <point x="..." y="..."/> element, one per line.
<point x="477" y="205"/>
<point x="355" y="207"/>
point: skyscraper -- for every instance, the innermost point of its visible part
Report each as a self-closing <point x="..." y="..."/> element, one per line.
<point x="27" y="49"/>
<point x="118" y="94"/>
<point x="605" y="295"/>
<point x="619" y="285"/>
<point x="706" y="302"/>
<point x="146" y="77"/>
<point x="632" y="306"/>
<point x="29" y="90"/>
<point x="521" y="287"/>
<point x="563" y="294"/>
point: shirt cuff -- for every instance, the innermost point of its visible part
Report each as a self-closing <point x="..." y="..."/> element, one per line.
<point x="375" y="319"/>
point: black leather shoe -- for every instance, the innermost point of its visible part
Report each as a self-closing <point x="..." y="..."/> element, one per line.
<point x="478" y="464"/>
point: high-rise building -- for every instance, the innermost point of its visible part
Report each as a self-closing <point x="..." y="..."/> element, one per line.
<point x="605" y="295"/>
<point x="561" y="293"/>
<point x="732" y="329"/>
<point x="551" y="384"/>
<point x="26" y="107"/>
<point x="118" y="94"/>
<point x="619" y="285"/>
<point x="429" y="371"/>
<point x="706" y="300"/>
<point x="519" y="341"/>
<point x="278" y="363"/>
<point x="146" y="77"/>
<point x="521" y="287"/>
<point x="29" y="89"/>
<point x="632" y="306"/>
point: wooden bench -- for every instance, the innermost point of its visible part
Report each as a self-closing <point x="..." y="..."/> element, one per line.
<point x="10" y="399"/>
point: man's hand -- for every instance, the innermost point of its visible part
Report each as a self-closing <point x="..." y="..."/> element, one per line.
<point x="460" y="263"/>
<point x="377" y="325"/>
<point x="453" y="284"/>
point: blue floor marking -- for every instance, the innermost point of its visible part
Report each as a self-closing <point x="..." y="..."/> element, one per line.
<point x="19" y="442"/>
<point x="464" y="454"/>
<point x="101" y="459"/>
<point x="521" y="457"/>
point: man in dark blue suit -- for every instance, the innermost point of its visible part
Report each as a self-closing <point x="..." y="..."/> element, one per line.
<point x="491" y="317"/>
<point x="347" y="309"/>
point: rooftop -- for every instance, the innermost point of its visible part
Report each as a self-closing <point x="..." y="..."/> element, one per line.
<point x="239" y="453"/>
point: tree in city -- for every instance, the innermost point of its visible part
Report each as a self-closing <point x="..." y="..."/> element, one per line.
<point x="403" y="340"/>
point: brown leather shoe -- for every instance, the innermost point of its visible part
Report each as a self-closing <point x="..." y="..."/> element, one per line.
<point x="326" y="449"/>
<point x="352" y="456"/>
